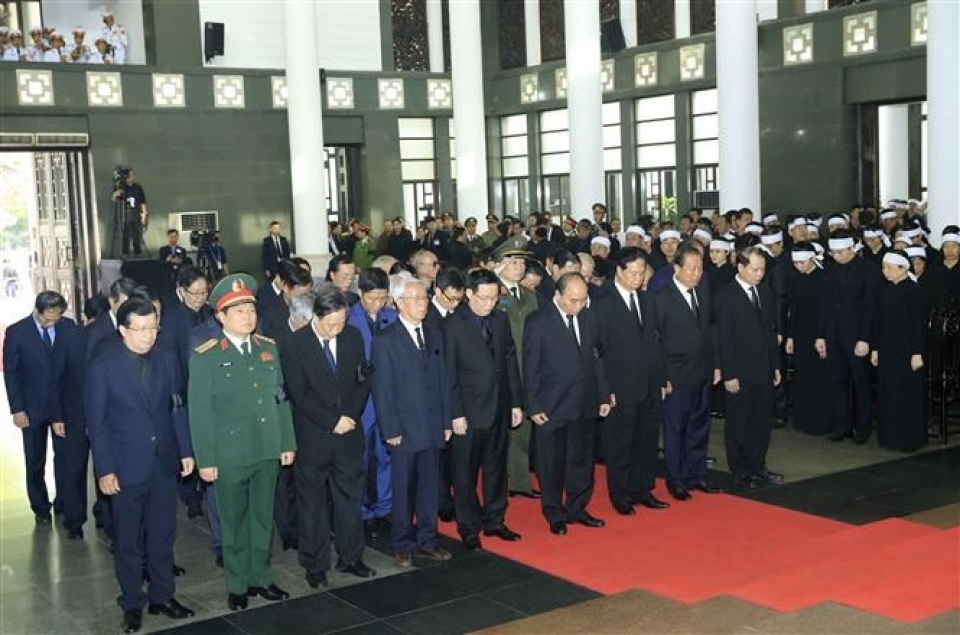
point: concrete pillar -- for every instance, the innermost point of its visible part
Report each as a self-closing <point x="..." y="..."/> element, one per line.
<point x="584" y="102"/>
<point x="628" y="20"/>
<point x="943" y="104"/>
<point x="681" y="18"/>
<point x="305" y="130"/>
<point x="894" y="136"/>
<point x="738" y="102"/>
<point x="435" y="35"/>
<point x="468" y="113"/>
<point x="531" y="26"/>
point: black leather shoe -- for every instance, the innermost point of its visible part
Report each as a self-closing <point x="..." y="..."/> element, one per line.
<point x="317" y="579"/>
<point x="75" y="534"/>
<point x="132" y="620"/>
<point x="446" y="515"/>
<point x="779" y="422"/>
<point x="705" y="487"/>
<point x="861" y="438"/>
<point x="171" y="609"/>
<point x="767" y="476"/>
<point x="558" y="528"/>
<point x="236" y="602"/>
<point x="272" y="593"/>
<point x="625" y="509"/>
<point x="651" y="501"/>
<point x="679" y="492"/>
<point x="503" y="533"/>
<point x="471" y="542"/>
<point x="840" y="435"/>
<point x="291" y="545"/>
<point x="178" y="570"/>
<point x="220" y="561"/>
<point x="373" y="527"/>
<point x="194" y="512"/>
<point x="531" y="494"/>
<point x="43" y="519"/>
<point x="590" y="521"/>
<point x="358" y="568"/>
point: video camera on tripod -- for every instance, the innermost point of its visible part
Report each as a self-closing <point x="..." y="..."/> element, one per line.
<point x="200" y="240"/>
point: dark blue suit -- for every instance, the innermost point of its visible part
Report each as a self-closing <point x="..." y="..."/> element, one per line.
<point x="138" y="431"/>
<point x="411" y="395"/>
<point x="378" y="493"/>
<point x="101" y="335"/>
<point x="38" y="381"/>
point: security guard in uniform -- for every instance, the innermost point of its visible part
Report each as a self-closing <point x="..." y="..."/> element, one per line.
<point x="241" y="425"/>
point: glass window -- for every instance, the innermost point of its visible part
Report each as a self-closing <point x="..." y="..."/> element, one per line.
<point x="660" y="155"/>
<point x="552" y="142"/>
<point x="706" y="139"/>
<point x="416" y="149"/>
<point x="705" y="127"/>
<point x="515" y="146"/>
<point x="417" y="170"/>
<point x="612" y="160"/>
<point x="611" y="113"/>
<point x="705" y="152"/>
<point x="704" y="101"/>
<point x="556" y="163"/>
<point x="655" y="108"/>
<point x="516" y="166"/>
<point x="513" y="125"/>
<point x="611" y="136"/>
<point x="656" y="132"/>
<point x="415" y="128"/>
<point x="552" y="120"/>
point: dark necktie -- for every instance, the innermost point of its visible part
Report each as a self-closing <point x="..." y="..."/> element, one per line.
<point x="420" y="345"/>
<point x="374" y="325"/>
<point x="515" y="292"/>
<point x="694" y="304"/>
<point x="47" y="338"/>
<point x="573" y="329"/>
<point x="245" y="349"/>
<point x="485" y="332"/>
<point x="635" y="309"/>
<point x="144" y="363"/>
<point x="328" y="353"/>
<point x="755" y="299"/>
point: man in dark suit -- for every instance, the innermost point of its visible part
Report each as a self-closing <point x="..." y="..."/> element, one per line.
<point x="38" y="372"/>
<point x="486" y="401"/>
<point x="411" y="393"/>
<point x="172" y="257"/>
<point x="137" y="423"/>
<point x="326" y="373"/>
<point x="750" y="362"/>
<point x="369" y="316"/>
<point x="435" y="240"/>
<point x="634" y="365"/>
<point x="275" y="249"/>
<point x="847" y="310"/>
<point x="566" y="389"/>
<point x="683" y="319"/>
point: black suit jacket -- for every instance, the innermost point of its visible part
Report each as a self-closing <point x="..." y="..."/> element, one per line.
<point x="631" y="354"/>
<point x="688" y="344"/>
<point x="560" y="379"/>
<point x="272" y="311"/>
<point x="484" y="382"/>
<point x="748" y="349"/>
<point x="319" y="395"/>
<point x="849" y="302"/>
<point x="269" y="257"/>
<point x="36" y="376"/>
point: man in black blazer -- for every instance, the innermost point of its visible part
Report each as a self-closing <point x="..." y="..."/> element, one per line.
<point x="275" y="249"/>
<point x="326" y="375"/>
<point x="634" y="365"/>
<point x="750" y="363"/>
<point x="566" y="389"/>
<point x="411" y="395"/>
<point x="172" y="257"/>
<point x="485" y="401"/>
<point x="683" y="318"/>
<point x="137" y="421"/>
<point x="42" y="359"/>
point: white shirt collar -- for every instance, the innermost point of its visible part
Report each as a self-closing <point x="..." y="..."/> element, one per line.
<point x="625" y="294"/>
<point x="412" y="329"/>
<point x="237" y="343"/>
<point x="443" y="312"/>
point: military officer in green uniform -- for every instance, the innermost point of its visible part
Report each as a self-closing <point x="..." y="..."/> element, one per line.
<point x="242" y="431"/>
<point x="517" y="302"/>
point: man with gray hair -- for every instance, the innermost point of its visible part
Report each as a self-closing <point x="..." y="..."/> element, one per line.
<point x="413" y="412"/>
<point x="301" y="310"/>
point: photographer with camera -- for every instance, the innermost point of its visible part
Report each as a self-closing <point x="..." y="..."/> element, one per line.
<point x="173" y="256"/>
<point x="134" y="214"/>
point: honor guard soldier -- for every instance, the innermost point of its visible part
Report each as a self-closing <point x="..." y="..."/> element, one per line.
<point x="241" y="425"/>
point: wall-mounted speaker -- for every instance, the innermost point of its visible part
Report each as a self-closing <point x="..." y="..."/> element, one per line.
<point x="212" y="40"/>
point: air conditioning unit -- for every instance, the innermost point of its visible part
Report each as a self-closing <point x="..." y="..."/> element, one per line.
<point x="16" y="140"/>
<point x="186" y="222"/>
<point x="63" y="140"/>
<point x="707" y="199"/>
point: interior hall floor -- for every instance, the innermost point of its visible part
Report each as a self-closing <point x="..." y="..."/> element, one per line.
<point x="51" y="585"/>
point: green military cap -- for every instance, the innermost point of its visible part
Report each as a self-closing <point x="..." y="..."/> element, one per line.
<point x="508" y="250"/>
<point x="234" y="289"/>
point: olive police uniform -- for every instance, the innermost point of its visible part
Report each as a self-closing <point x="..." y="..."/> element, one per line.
<point x="241" y="422"/>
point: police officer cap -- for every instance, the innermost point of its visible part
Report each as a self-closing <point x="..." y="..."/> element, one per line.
<point x="232" y="290"/>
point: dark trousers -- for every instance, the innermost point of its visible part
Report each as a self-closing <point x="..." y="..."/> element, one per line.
<point x="35" y="458"/>
<point x="336" y="463"/>
<point x="848" y="371"/>
<point x="415" y="492"/>
<point x="189" y="488"/>
<point x="285" y="506"/>
<point x="72" y="484"/>
<point x="480" y="453"/>
<point x="631" y="437"/>
<point x="686" y="433"/>
<point x="747" y="429"/>
<point x="103" y="512"/>
<point x="378" y="488"/>
<point x="132" y="236"/>
<point x="213" y="518"/>
<point x="446" y="479"/>
<point x="145" y="523"/>
<point x="565" y="466"/>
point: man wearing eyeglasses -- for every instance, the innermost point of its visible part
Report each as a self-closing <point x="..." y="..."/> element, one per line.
<point x="427" y="265"/>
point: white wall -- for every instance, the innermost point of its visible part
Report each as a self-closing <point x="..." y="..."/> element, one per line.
<point x="66" y="15"/>
<point x="348" y="33"/>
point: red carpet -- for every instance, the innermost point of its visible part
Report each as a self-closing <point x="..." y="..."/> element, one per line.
<point x="725" y="545"/>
